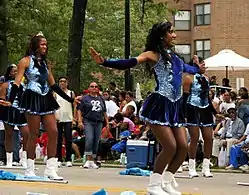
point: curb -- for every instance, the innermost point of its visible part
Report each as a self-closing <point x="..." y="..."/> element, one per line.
<point x="123" y="167"/>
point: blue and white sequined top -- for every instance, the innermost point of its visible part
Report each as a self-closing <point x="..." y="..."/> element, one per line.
<point x="37" y="80"/>
<point x="169" y="77"/>
<point x="18" y="96"/>
<point x="199" y="92"/>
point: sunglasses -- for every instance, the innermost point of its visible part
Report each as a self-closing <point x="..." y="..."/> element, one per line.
<point x="93" y="86"/>
<point x="62" y="81"/>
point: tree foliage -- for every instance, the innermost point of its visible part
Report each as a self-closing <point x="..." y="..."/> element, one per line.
<point x="104" y="30"/>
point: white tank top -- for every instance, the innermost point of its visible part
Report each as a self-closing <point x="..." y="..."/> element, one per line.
<point x="65" y="112"/>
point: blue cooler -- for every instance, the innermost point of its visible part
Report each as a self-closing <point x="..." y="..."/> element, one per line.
<point x="139" y="153"/>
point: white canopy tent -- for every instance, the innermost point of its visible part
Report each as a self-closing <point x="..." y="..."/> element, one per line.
<point x="227" y="59"/>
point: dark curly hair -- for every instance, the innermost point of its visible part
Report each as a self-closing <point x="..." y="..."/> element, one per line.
<point x="156" y="43"/>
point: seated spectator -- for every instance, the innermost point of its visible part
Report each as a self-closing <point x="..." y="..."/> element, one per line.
<point x="233" y="131"/>
<point x="237" y="156"/>
<point x="78" y="144"/>
<point x="105" y="145"/>
<point x="120" y="120"/>
<point x="226" y="104"/>
<point x="111" y="106"/>
<point x="129" y="112"/>
<point x="130" y="101"/>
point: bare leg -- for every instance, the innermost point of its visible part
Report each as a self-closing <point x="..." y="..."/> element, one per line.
<point x="8" y="137"/>
<point x="207" y="134"/>
<point x="180" y="135"/>
<point x="50" y="126"/>
<point x="166" y="138"/>
<point x="76" y="150"/>
<point x="34" y="126"/>
<point x="194" y="137"/>
<point x="25" y="134"/>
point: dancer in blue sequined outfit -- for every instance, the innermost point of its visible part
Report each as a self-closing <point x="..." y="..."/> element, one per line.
<point x="11" y="116"/>
<point x="163" y="108"/>
<point x="199" y="114"/>
<point x="38" y="102"/>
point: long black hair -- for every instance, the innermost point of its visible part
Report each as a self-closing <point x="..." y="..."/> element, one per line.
<point x="7" y="76"/>
<point x="156" y="43"/>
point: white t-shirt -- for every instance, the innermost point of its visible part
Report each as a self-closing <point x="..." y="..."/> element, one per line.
<point x="225" y="106"/>
<point x="111" y="108"/>
<point x="65" y="112"/>
<point x="130" y="103"/>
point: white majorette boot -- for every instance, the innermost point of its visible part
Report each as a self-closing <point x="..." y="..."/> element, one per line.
<point x="24" y="159"/>
<point x="30" y="170"/>
<point x="206" y="168"/>
<point x="191" y="168"/>
<point x="168" y="181"/>
<point x="9" y="159"/>
<point x="50" y="170"/>
<point x="155" y="185"/>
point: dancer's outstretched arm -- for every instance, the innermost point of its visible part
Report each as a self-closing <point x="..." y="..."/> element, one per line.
<point x="121" y="64"/>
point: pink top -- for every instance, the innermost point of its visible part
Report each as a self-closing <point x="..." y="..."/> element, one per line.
<point x="130" y="123"/>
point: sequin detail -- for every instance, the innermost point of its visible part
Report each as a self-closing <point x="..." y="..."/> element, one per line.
<point x="37" y="80"/>
<point x="199" y="92"/>
<point x="169" y="78"/>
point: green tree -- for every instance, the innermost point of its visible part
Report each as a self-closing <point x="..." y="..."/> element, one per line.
<point x="75" y="43"/>
<point x="3" y="37"/>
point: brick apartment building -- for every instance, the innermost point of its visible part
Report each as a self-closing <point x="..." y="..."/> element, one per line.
<point x="206" y="27"/>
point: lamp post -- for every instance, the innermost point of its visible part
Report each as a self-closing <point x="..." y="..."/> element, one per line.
<point x="128" y="78"/>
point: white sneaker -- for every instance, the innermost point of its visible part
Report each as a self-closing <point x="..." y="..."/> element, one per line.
<point x="69" y="164"/>
<point x="179" y="170"/>
<point x="15" y="164"/>
<point x="206" y="168"/>
<point x="155" y="185"/>
<point x="93" y="165"/>
<point x="244" y="167"/>
<point x="230" y="167"/>
<point x="9" y="159"/>
<point x="192" y="169"/>
<point x="59" y="163"/>
<point x="87" y="164"/>
<point x="168" y="181"/>
<point x="50" y="170"/>
<point x="30" y="170"/>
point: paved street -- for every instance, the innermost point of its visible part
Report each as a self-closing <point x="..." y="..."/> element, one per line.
<point x="85" y="182"/>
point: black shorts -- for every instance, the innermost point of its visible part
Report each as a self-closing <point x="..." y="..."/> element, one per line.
<point x="201" y="117"/>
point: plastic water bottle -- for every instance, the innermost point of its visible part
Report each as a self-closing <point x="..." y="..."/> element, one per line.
<point x="72" y="157"/>
<point x="123" y="159"/>
<point x="84" y="159"/>
<point x="38" y="151"/>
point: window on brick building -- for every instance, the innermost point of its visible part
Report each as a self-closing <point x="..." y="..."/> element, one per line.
<point x="202" y="14"/>
<point x="202" y="48"/>
<point x="184" y="51"/>
<point x="182" y="20"/>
